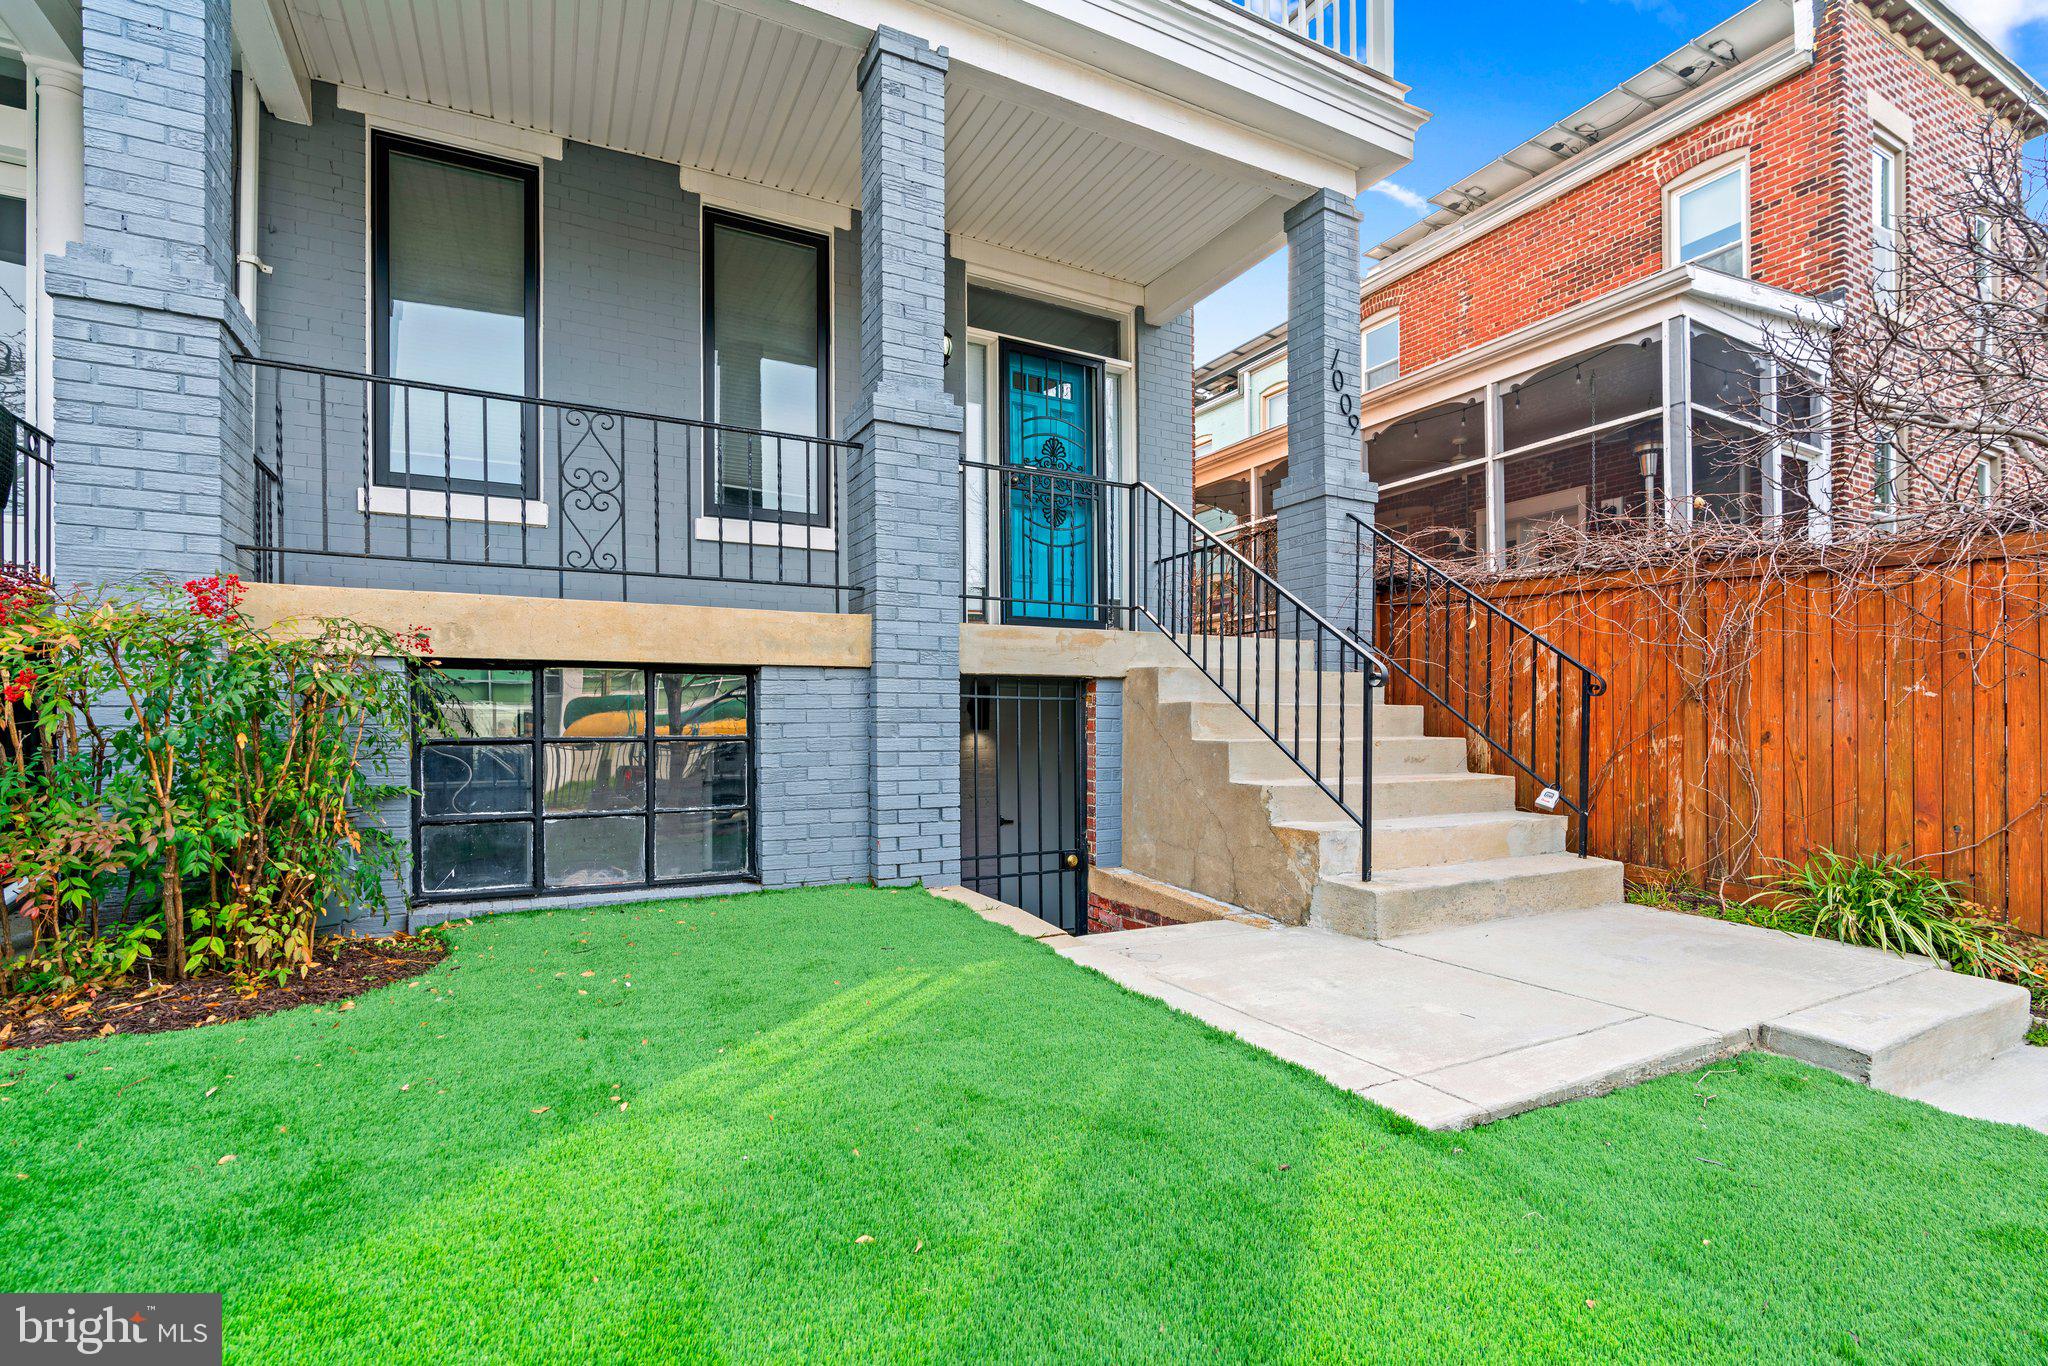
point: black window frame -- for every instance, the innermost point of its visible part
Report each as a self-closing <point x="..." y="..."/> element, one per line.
<point x="714" y="505"/>
<point x="382" y="146"/>
<point x="536" y="816"/>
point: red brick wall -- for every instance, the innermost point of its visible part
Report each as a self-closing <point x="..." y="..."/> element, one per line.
<point x="1808" y="140"/>
<point x="1610" y="231"/>
<point x="1107" y="917"/>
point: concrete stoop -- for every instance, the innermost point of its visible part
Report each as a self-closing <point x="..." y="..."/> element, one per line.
<point x="1215" y="806"/>
<point x="1469" y="1025"/>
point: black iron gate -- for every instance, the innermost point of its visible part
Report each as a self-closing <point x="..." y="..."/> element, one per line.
<point x="1023" y="796"/>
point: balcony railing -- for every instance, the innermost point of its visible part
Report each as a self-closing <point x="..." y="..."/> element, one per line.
<point x="1362" y="30"/>
<point x="363" y="481"/>
<point x="28" y="479"/>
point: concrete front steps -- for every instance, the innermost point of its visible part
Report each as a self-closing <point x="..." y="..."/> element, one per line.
<point x="1449" y="847"/>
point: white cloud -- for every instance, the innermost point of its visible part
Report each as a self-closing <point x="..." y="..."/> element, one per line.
<point x="1412" y="201"/>
<point x="1996" y="19"/>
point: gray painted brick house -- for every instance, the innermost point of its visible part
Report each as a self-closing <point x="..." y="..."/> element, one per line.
<point x="769" y="408"/>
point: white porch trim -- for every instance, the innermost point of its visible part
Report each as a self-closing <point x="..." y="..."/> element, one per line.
<point x="432" y="123"/>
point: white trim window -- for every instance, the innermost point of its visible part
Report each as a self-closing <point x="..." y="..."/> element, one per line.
<point x="1708" y="213"/>
<point x="1382" y="353"/>
<point x="1989" y="475"/>
<point x="1273" y="407"/>
<point x="1888" y="478"/>
<point x="1887" y="207"/>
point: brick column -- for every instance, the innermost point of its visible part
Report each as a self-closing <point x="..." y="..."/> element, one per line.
<point x="151" y="412"/>
<point x="904" y="551"/>
<point x="1166" y="407"/>
<point x="1326" y="481"/>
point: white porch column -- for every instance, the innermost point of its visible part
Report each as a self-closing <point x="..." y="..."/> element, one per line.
<point x="59" y="190"/>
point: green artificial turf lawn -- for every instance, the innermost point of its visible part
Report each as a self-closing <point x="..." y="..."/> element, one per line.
<point x="663" y="1131"/>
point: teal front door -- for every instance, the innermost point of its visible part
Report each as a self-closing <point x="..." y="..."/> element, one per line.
<point x="1052" y="509"/>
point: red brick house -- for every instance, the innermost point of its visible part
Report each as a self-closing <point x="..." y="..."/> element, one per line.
<point x="1578" y="329"/>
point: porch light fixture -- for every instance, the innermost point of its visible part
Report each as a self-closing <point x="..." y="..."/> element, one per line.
<point x="1649" y="457"/>
<point x="946" y="346"/>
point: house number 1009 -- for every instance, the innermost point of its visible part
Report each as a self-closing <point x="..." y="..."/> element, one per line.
<point x="1340" y="384"/>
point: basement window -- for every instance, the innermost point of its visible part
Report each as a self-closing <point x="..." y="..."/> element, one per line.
<point x="579" y="777"/>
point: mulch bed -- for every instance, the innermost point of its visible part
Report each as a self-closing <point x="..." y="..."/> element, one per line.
<point x="342" y="967"/>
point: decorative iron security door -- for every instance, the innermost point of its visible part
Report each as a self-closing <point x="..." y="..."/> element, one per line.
<point x="1022" y="796"/>
<point x="1050" y="521"/>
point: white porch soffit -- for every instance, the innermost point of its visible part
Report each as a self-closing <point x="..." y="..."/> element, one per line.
<point x="1047" y="158"/>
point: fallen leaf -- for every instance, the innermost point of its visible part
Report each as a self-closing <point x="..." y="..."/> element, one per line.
<point x="346" y="1005"/>
<point x="543" y="1110"/>
<point x="225" y="1159"/>
<point x="865" y="1238"/>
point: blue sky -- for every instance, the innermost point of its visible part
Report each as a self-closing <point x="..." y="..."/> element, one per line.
<point x="1492" y="73"/>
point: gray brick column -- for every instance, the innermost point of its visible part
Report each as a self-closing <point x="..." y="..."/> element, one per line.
<point x="904" y="551"/>
<point x="1166" y="407"/>
<point x="1326" y="478"/>
<point x="152" y="414"/>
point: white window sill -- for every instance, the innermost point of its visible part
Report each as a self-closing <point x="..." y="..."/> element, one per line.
<point x="455" y="507"/>
<point x="744" y="531"/>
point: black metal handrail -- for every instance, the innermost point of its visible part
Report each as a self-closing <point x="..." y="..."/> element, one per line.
<point x="1441" y="637"/>
<point x="1038" y="542"/>
<point x="28" y="482"/>
<point x="389" y="482"/>
<point x="1174" y="559"/>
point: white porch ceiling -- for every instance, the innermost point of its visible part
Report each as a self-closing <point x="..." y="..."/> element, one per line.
<point x="721" y="90"/>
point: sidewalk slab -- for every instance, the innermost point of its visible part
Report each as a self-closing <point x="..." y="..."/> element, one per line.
<point x="2010" y="1089"/>
<point x="1404" y="1014"/>
<point x="1718" y="976"/>
<point x="1465" y="1026"/>
<point x="1906" y="1033"/>
<point x="1589" y="1064"/>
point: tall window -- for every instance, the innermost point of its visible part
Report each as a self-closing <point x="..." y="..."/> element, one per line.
<point x="455" y="301"/>
<point x="14" y="304"/>
<point x="14" y="300"/>
<point x="1710" y="218"/>
<point x="1890" y="477"/>
<point x="765" y="326"/>
<point x="1887" y="204"/>
<point x="578" y="776"/>
<point x="1382" y="354"/>
<point x="1273" y="407"/>
<point x="1990" y="473"/>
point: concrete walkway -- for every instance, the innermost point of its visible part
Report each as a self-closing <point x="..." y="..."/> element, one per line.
<point x="1463" y="1026"/>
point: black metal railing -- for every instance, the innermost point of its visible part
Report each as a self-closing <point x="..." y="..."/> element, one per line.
<point x="1494" y="675"/>
<point x="362" y="479"/>
<point x="1047" y="547"/>
<point x="1307" y="684"/>
<point x="1039" y="546"/>
<point x="28" y="482"/>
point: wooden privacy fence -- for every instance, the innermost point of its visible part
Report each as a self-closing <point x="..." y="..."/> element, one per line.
<point x="1755" y="716"/>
